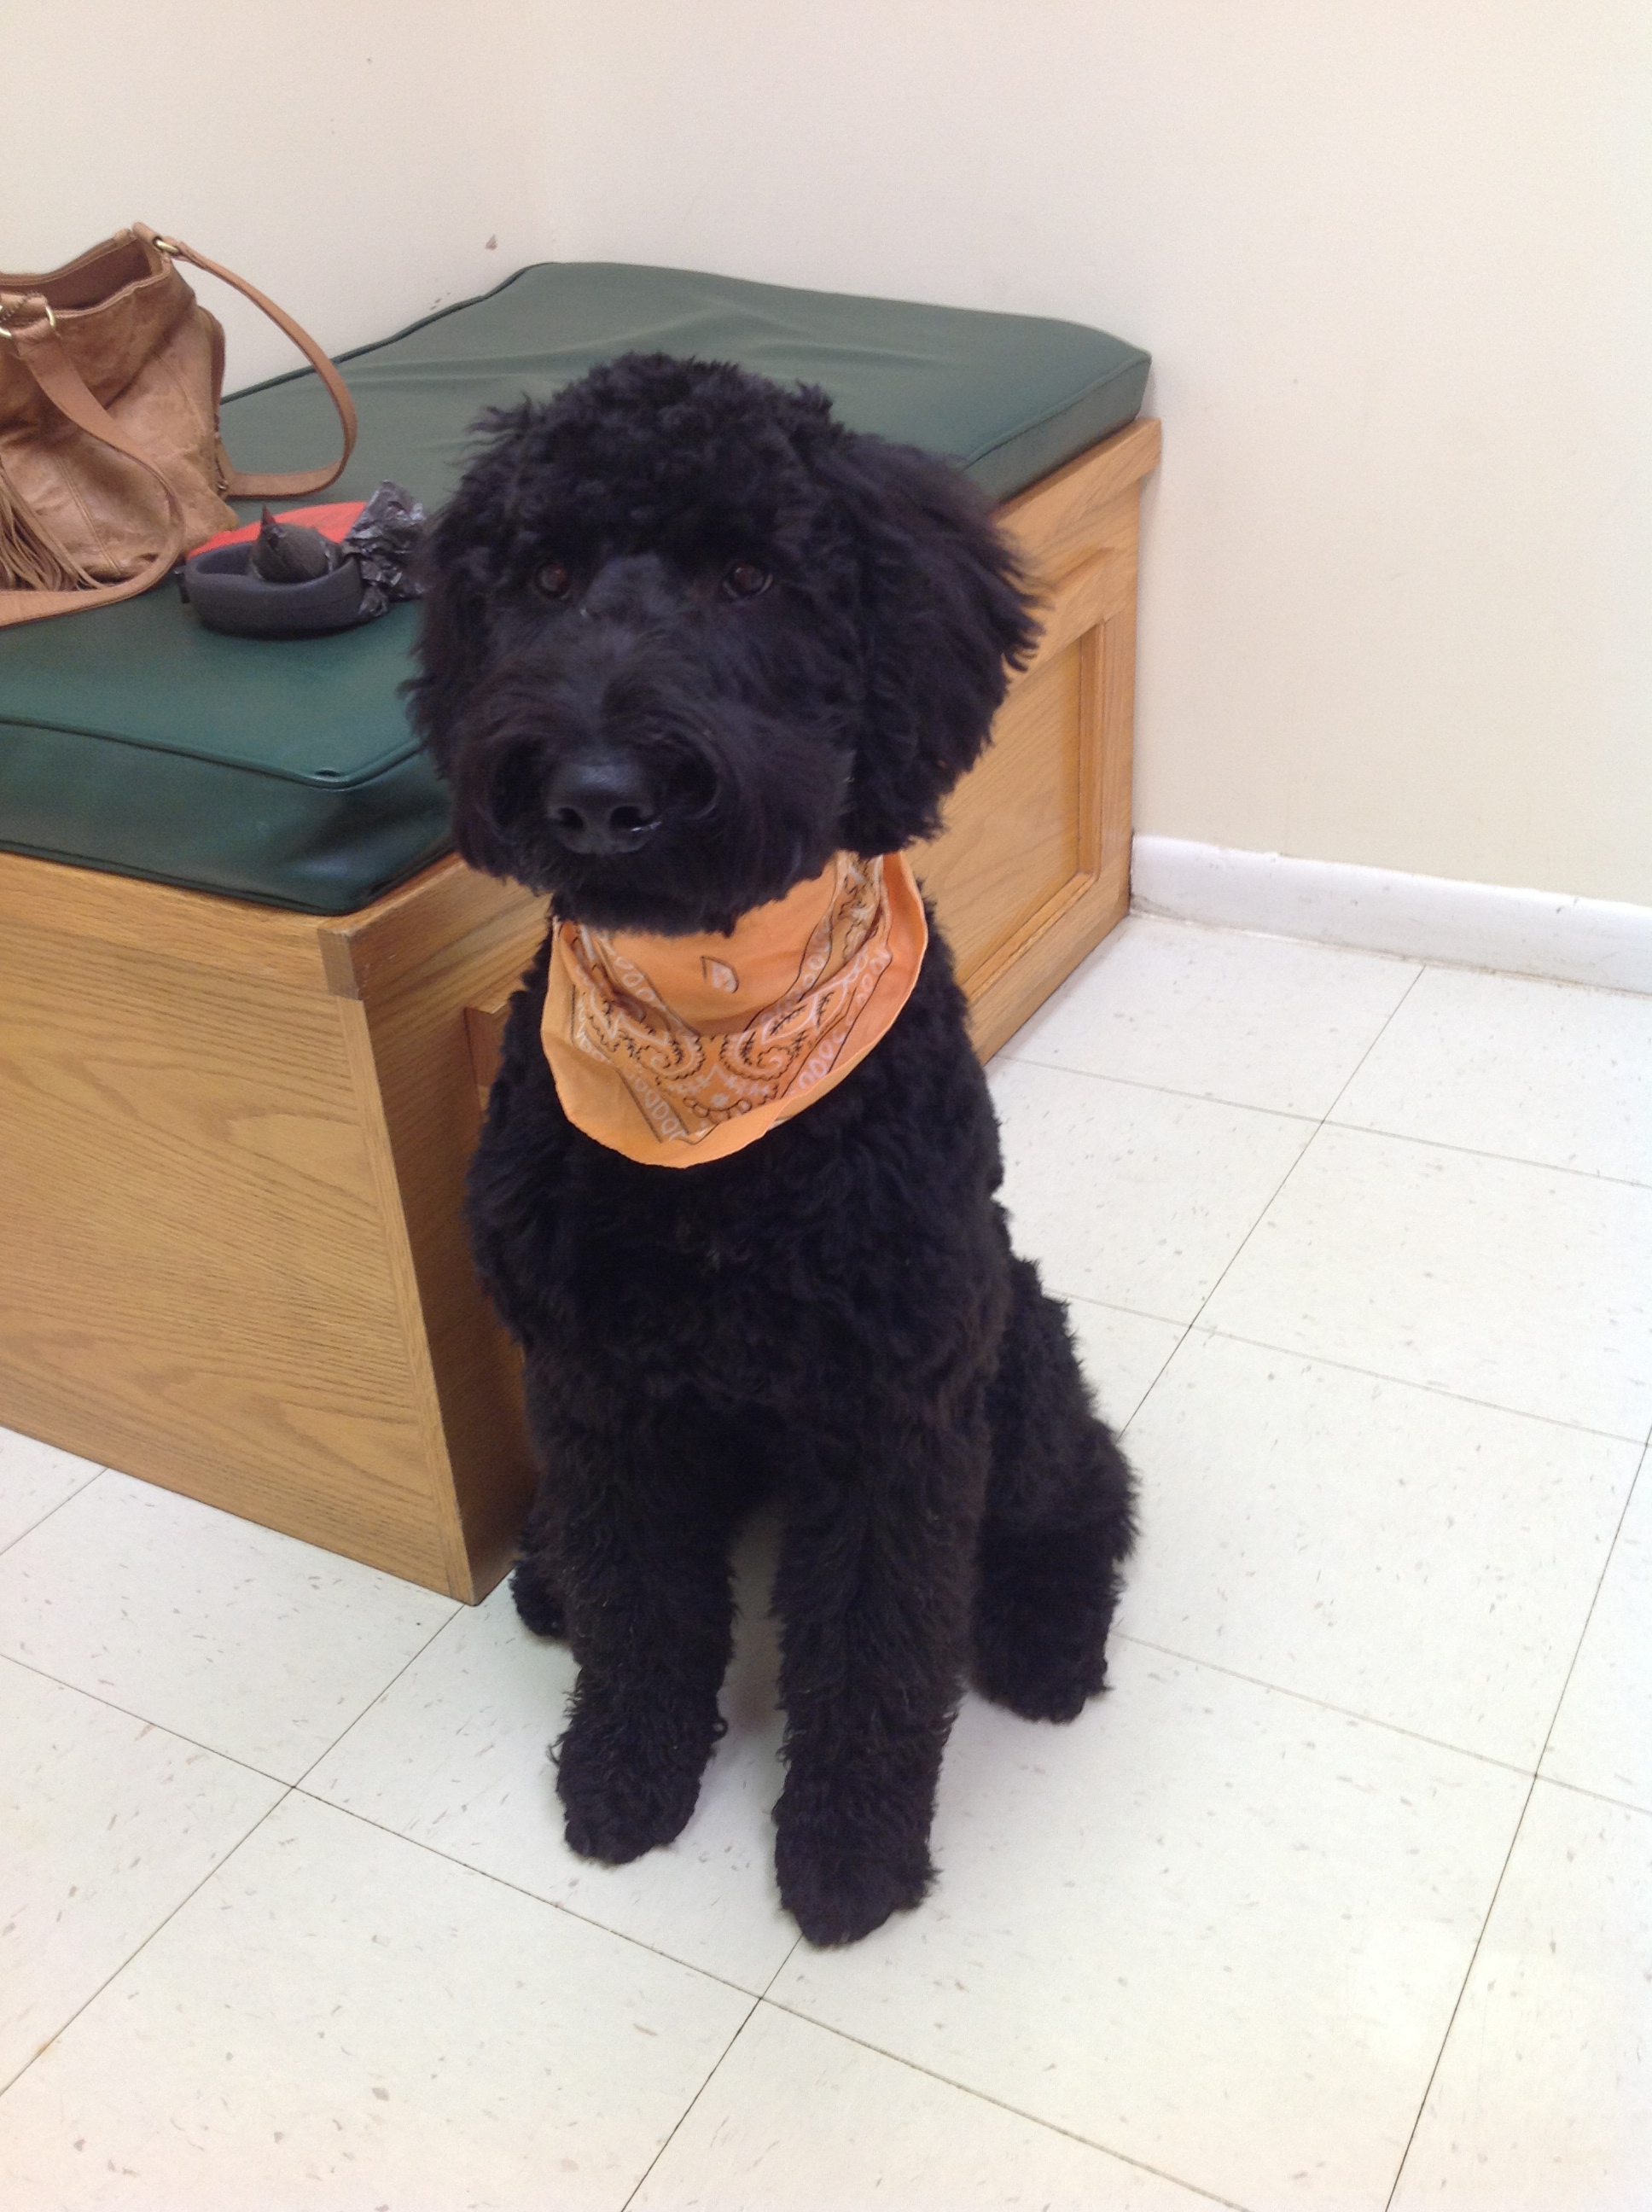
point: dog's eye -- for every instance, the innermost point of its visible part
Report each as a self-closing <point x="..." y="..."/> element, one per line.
<point x="554" y="581"/>
<point x="745" y="580"/>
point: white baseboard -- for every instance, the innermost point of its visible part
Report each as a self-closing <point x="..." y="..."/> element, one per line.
<point x="1573" y="940"/>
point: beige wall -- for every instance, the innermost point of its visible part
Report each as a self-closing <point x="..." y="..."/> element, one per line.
<point x="351" y="158"/>
<point x="1391" y="256"/>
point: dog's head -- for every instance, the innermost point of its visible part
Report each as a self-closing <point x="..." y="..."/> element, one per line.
<point x="686" y="636"/>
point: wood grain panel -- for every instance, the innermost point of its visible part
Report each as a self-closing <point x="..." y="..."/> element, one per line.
<point x="417" y="1059"/>
<point x="1011" y="842"/>
<point x="225" y="935"/>
<point x="484" y="1031"/>
<point x="194" y="1287"/>
<point x="1056" y="517"/>
<point x="1115" y="703"/>
<point x="439" y="907"/>
<point x="1002" y="997"/>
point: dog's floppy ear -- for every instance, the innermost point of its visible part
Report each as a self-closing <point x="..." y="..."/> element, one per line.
<point x="457" y="564"/>
<point x="945" y="615"/>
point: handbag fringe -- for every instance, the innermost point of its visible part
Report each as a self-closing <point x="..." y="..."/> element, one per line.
<point x="32" y="558"/>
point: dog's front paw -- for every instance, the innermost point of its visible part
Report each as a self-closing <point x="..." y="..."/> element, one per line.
<point x="626" y="1785"/>
<point x="539" y="1601"/>
<point x="846" y="1855"/>
<point x="837" y="1895"/>
<point x="1038" y="1685"/>
<point x="1042" y="1610"/>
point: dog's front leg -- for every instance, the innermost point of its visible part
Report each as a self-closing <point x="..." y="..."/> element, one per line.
<point x="645" y="1581"/>
<point x="874" y="1591"/>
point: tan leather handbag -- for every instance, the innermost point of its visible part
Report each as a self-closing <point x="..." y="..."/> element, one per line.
<point x="111" y="465"/>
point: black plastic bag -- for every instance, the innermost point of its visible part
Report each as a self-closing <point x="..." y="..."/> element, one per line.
<point x="383" y="538"/>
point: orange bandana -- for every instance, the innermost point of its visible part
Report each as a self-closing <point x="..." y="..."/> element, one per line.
<point x="677" y="1049"/>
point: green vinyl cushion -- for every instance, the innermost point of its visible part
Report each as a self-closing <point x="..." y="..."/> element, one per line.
<point x="134" y="740"/>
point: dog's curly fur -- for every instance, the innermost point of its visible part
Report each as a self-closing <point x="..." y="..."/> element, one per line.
<point x="771" y="638"/>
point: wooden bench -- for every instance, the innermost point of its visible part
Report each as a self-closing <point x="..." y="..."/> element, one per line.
<point x="235" y="1138"/>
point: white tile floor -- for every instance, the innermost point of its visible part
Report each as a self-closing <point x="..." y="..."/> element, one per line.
<point x="1341" y="1898"/>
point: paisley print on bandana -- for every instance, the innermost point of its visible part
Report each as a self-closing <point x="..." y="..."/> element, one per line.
<point x="690" y="1047"/>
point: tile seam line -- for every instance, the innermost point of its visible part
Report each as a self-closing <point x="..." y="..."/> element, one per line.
<point x="546" y="1903"/>
<point x="1112" y="1305"/>
<point x="1462" y="1991"/>
<point x="92" y="1480"/>
<point x="231" y="1758"/>
<point x="1104" y="1305"/>
<point x="682" y="2116"/>
<point x="288" y="1789"/>
<point x="1233" y="1256"/>
<point x="1594" y="1600"/>
<point x="380" y="1695"/>
<point x="1273" y="1196"/>
<point x="1328" y="1706"/>
<point x="1158" y="1090"/>
<point x="1158" y="1376"/>
<point x="1297" y="1162"/>
<point x="1324" y="1120"/>
<point x="1480" y="1152"/>
<point x="1439" y="2056"/>
<point x="1001" y="2104"/>
<point x="1410" y="1382"/>
<point x="1595" y="1796"/>
<point x="796" y="1945"/>
<point x="1635" y="1438"/>
<point x="333" y="1742"/>
<point x="161" y="1728"/>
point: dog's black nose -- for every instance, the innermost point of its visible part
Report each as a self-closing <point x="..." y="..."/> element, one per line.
<point x="601" y="807"/>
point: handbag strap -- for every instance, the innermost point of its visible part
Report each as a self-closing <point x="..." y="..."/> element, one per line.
<point x="236" y="485"/>
<point x="42" y="352"/>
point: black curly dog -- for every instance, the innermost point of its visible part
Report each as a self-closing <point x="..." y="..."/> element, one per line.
<point x="685" y="636"/>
